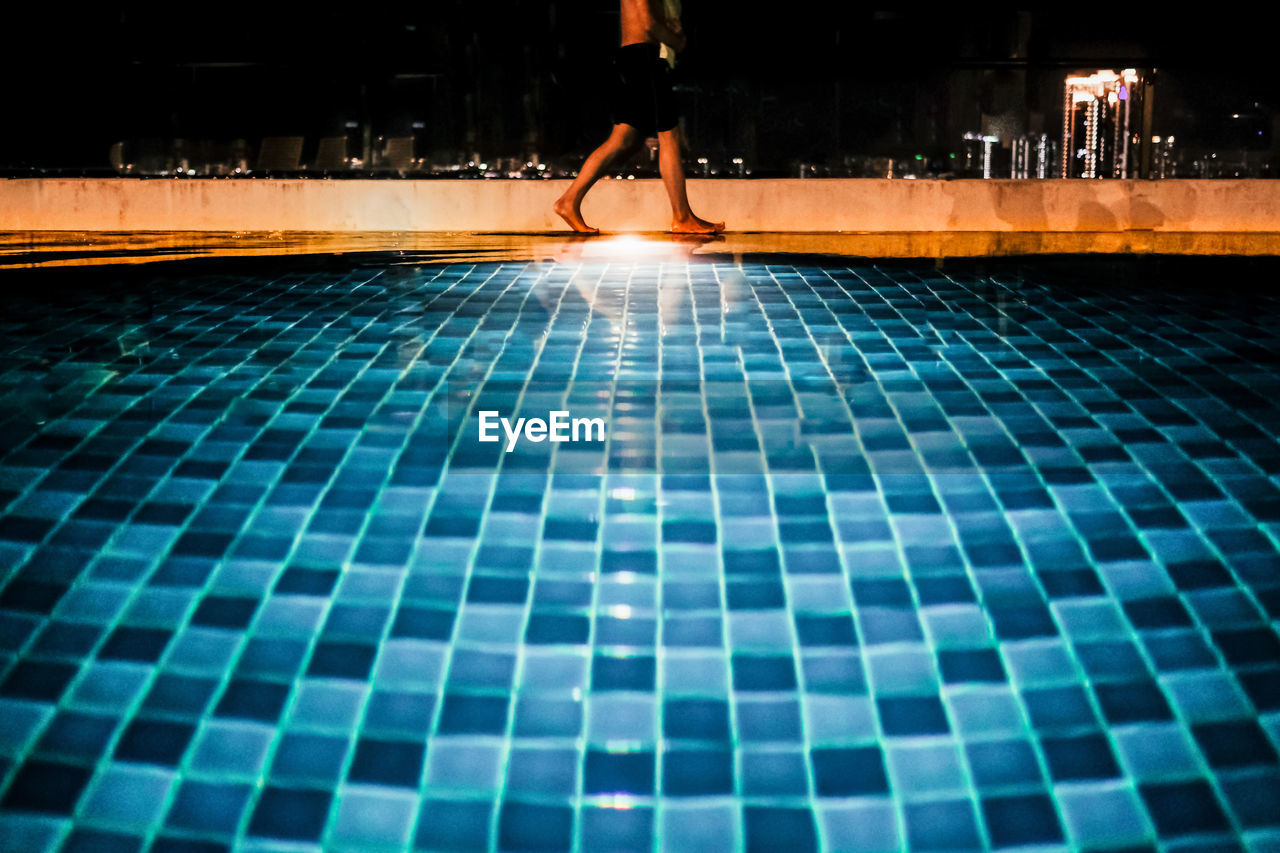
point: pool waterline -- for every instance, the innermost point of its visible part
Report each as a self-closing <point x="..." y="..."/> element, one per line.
<point x="20" y="249"/>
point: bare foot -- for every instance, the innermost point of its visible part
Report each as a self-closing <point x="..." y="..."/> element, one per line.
<point x="569" y="213"/>
<point x="694" y="225"/>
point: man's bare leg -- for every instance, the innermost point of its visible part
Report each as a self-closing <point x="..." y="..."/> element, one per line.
<point x="569" y="206"/>
<point x="682" y="219"/>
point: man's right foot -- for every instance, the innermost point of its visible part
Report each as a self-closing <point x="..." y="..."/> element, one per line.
<point x="694" y="225"/>
<point x="570" y="213"/>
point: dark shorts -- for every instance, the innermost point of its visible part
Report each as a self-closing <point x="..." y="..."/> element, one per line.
<point x="642" y="95"/>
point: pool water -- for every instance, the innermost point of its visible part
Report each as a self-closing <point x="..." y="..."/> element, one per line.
<point x="874" y="555"/>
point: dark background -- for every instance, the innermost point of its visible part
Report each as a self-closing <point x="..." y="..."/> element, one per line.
<point x="807" y="83"/>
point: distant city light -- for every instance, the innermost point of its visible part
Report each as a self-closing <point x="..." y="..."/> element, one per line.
<point x="1099" y="102"/>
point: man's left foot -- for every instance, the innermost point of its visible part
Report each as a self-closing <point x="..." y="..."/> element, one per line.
<point x="694" y="225"/>
<point x="568" y="211"/>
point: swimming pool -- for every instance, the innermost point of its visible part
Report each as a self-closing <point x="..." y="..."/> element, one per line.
<point x="873" y="555"/>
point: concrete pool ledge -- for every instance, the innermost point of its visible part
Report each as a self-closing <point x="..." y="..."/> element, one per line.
<point x="774" y="206"/>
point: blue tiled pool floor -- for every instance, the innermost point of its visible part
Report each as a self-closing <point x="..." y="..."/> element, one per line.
<point x="875" y="556"/>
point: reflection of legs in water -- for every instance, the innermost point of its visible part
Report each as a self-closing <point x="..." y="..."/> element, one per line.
<point x="620" y="143"/>
<point x="682" y="219"/>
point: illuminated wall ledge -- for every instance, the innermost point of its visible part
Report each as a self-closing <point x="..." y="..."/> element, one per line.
<point x="107" y="204"/>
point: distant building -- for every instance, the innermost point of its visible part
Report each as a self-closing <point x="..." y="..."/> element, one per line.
<point x="1097" y="119"/>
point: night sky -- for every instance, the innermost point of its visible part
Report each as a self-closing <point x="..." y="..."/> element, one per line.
<point x="814" y="80"/>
